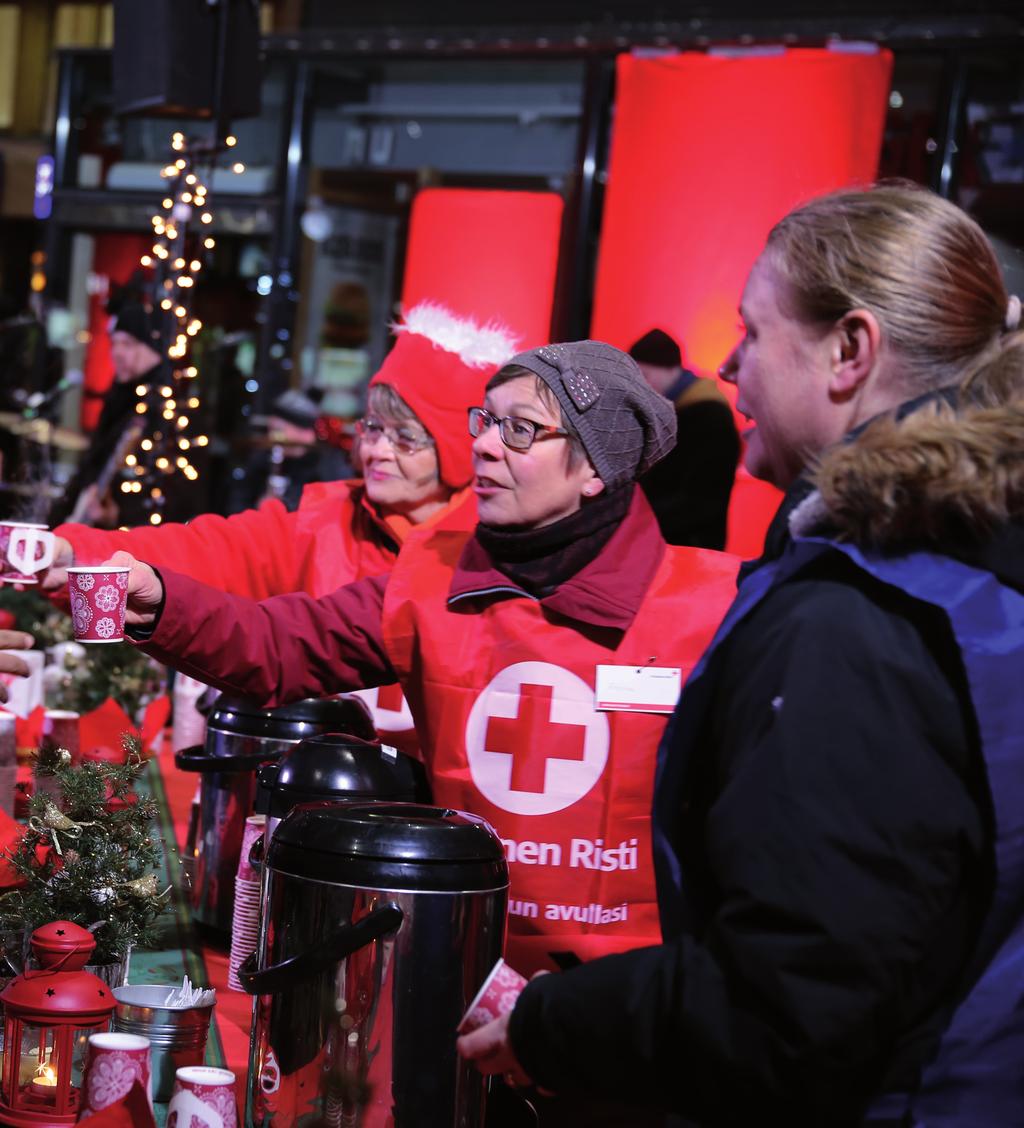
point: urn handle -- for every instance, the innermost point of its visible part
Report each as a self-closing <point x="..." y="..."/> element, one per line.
<point x="348" y="939"/>
<point x="197" y="759"/>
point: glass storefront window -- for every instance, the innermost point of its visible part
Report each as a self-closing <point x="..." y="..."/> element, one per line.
<point x="127" y="153"/>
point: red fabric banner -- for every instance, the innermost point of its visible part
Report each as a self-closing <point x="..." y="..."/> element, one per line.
<point x="100" y="731"/>
<point x="487" y="253"/>
<point x="707" y="154"/>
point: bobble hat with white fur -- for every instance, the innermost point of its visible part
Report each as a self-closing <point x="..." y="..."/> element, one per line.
<point x="439" y="365"/>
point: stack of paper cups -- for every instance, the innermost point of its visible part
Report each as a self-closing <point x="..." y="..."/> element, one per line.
<point x="245" y="922"/>
<point x="203" y="1097"/>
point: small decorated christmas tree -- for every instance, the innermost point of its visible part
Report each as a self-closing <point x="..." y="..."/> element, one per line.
<point x="91" y="858"/>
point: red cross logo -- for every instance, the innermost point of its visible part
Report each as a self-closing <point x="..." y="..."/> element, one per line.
<point x="534" y="741"/>
<point x="531" y="738"/>
<point x="389" y="708"/>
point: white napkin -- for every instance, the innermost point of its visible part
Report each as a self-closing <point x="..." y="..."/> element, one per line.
<point x="188" y="996"/>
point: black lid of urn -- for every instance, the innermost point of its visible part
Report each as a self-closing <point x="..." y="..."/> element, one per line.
<point x="400" y="846"/>
<point x="296" y="721"/>
<point x="337" y="765"/>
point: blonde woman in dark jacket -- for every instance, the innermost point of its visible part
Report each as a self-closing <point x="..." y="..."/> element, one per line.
<point x="840" y="798"/>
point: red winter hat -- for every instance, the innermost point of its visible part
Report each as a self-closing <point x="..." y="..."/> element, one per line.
<point x="439" y="365"/>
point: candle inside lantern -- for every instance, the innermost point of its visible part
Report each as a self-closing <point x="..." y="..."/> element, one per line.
<point x="45" y="1081"/>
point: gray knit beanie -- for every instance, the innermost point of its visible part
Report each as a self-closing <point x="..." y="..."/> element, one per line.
<point x="624" y="425"/>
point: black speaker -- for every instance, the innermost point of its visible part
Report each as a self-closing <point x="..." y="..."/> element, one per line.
<point x="166" y="51"/>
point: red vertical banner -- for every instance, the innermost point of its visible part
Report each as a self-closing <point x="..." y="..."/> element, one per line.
<point x="490" y="254"/>
<point x="707" y="154"/>
<point x="115" y="259"/>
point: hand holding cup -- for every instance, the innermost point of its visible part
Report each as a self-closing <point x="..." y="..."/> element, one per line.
<point x="145" y="589"/>
<point x="484" y="1038"/>
<point x="105" y="597"/>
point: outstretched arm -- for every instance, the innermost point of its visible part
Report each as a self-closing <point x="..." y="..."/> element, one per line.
<point x="280" y="650"/>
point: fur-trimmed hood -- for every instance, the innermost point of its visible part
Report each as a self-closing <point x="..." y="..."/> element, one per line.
<point x="940" y="478"/>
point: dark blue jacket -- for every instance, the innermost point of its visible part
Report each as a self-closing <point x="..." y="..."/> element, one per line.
<point x="843" y="889"/>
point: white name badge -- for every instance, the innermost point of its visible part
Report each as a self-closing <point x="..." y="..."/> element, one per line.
<point x="637" y="689"/>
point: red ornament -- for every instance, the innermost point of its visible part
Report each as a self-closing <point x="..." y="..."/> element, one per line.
<point x="48" y="1017"/>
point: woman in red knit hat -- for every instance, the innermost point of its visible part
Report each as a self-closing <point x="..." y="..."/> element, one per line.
<point x="416" y="464"/>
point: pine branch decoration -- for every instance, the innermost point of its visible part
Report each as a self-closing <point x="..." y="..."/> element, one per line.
<point x="93" y="859"/>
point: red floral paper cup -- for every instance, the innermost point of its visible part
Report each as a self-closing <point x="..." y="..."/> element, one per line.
<point x="113" y="1063"/>
<point x="496" y="997"/>
<point x="24" y="550"/>
<point x="203" y="1097"/>
<point x="99" y="598"/>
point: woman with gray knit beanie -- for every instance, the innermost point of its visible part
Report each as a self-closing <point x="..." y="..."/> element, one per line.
<point x="540" y="655"/>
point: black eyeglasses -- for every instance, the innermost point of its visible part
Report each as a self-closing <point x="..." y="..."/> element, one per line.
<point x="406" y="440"/>
<point x="516" y="433"/>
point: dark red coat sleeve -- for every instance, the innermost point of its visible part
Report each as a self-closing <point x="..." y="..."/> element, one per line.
<point x="283" y="649"/>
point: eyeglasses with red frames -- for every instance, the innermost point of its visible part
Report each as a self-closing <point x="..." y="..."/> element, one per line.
<point x="405" y="439"/>
<point x="516" y="433"/>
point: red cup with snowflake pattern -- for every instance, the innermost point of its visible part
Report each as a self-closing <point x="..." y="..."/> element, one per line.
<point x="203" y="1097"/>
<point x="496" y="997"/>
<point x="113" y="1063"/>
<point x="99" y="598"/>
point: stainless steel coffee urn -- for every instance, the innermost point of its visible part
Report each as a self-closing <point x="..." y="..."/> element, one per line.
<point x="380" y="923"/>
<point x="240" y="736"/>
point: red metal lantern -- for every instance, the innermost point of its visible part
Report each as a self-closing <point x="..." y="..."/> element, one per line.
<point x="48" y="1016"/>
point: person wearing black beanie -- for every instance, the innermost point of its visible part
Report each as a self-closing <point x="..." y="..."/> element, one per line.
<point x="689" y="489"/>
<point x="136" y="358"/>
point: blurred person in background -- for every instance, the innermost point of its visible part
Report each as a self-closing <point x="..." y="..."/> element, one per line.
<point x="689" y="489"/>
<point x="137" y="360"/>
<point x="290" y="457"/>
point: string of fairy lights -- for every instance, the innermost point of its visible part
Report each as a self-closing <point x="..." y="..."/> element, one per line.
<point x="167" y="434"/>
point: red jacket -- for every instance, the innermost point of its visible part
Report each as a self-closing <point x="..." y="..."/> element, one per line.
<point x="294" y="646"/>
<point x="447" y="619"/>
<point x="333" y="538"/>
